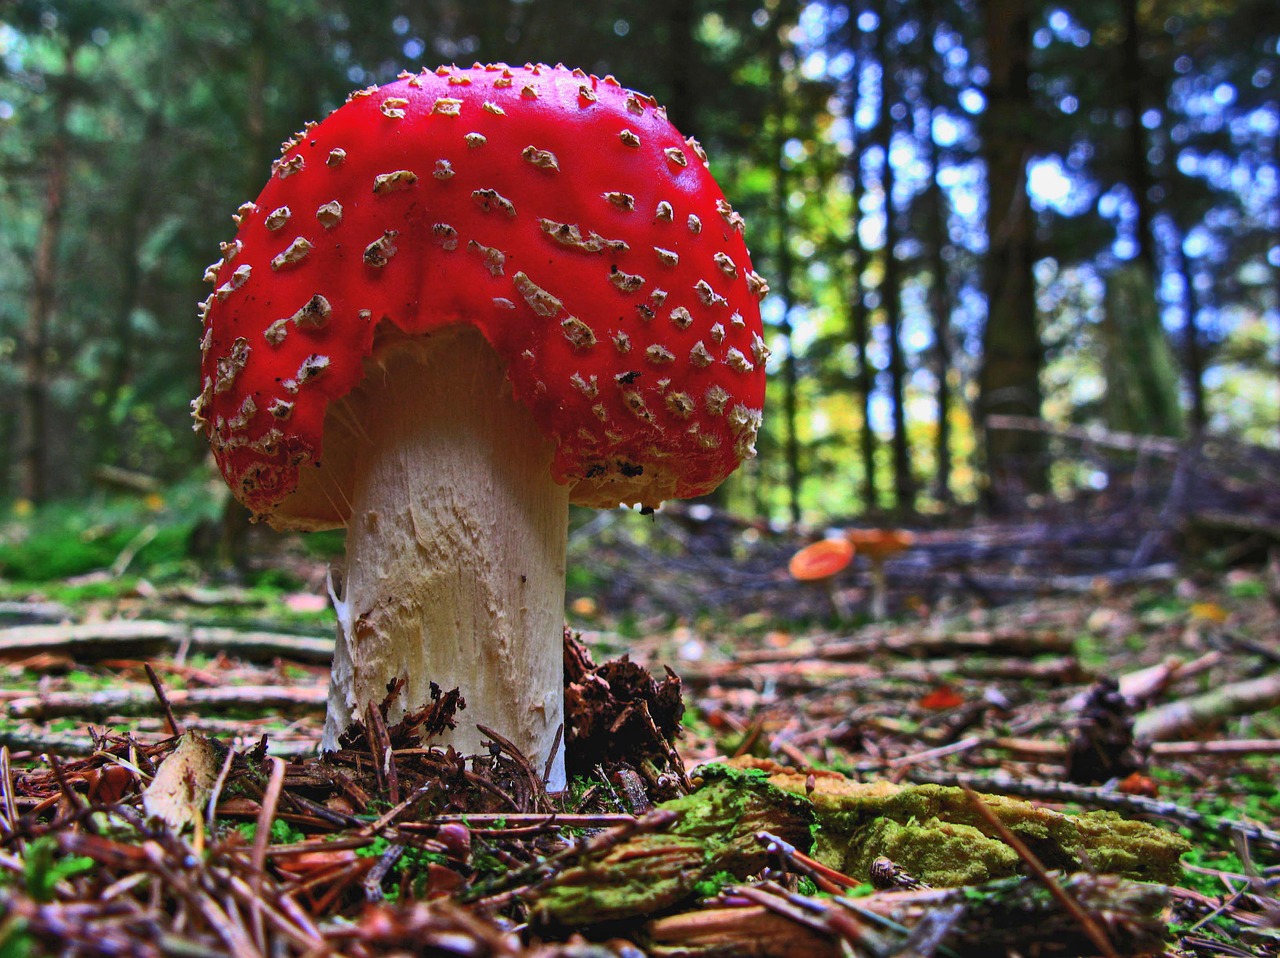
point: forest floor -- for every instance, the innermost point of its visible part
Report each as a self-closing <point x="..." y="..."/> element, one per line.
<point x="813" y="799"/>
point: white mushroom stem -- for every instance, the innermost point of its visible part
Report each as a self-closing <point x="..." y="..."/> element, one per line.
<point x="455" y="559"/>
<point x="879" y="591"/>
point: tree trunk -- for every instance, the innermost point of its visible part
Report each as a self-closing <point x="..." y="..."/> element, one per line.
<point x="33" y="482"/>
<point x="1275" y="264"/>
<point x="1012" y="354"/>
<point x="1139" y="170"/>
<point x="232" y="550"/>
<point x="120" y="365"/>
<point x="782" y="221"/>
<point x="858" y="319"/>
<point x="682" y="97"/>
<point x="891" y="283"/>
<point x="939" y="294"/>
<point x="1193" y="354"/>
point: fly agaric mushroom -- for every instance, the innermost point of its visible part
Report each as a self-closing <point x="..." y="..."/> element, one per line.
<point x="462" y="301"/>
<point x="821" y="561"/>
<point x="878" y="545"/>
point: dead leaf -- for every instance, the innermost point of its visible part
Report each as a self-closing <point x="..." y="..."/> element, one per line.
<point x="178" y="793"/>
<point x="942" y="697"/>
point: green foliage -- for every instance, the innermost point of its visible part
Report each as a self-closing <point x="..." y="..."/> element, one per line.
<point x="713" y="884"/>
<point x="43" y="867"/>
<point x="1209" y="858"/>
<point x="62" y="540"/>
<point x="410" y="867"/>
<point x="282" y="832"/>
<point x="328" y="544"/>
<point x="15" y="940"/>
<point x="1247" y="589"/>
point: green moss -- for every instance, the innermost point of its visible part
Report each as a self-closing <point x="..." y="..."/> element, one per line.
<point x="44" y="866"/>
<point x="645" y="874"/>
<point x="1101" y="841"/>
<point x="712" y="839"/>
<point x="948" y="853"/>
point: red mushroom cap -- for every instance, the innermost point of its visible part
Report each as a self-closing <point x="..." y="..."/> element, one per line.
<point x="560" y="214"/>
<point x="880" y="543"/>
<point x="821" y="559"/>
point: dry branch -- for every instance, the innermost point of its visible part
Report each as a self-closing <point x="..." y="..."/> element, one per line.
<point x="142" y="638"/>
<point x="1188" y="715"/>
<point x="808" y="674"/>
<point x="1092" y="435"/>
<point x="988" y="919"/>
<point x="926" y="644"/>
<point x="99" y="705"/>
<point x="33" y="612"/>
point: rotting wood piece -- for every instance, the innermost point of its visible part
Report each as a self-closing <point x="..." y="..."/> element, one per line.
<point x="986" y="920"/>
<point x="751" y="931"/>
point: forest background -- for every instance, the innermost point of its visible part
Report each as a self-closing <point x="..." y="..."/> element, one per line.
<point x="1068" y="210"/>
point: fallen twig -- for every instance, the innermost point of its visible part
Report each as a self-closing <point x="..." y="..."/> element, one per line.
<point x="1066" y="900"/>
<point x="148" y="637"/>
<point x="1194" y="713"/>
<point x="97" y="705"/>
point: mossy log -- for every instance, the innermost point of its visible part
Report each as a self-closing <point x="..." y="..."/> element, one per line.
<point x="714" y="832"/>
<point x="931" y="831"/>
<point x="935" y="833"/>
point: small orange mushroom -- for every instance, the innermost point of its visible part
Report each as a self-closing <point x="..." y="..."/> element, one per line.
<point x="878" y="545"/>
<point x="821" y="560"/>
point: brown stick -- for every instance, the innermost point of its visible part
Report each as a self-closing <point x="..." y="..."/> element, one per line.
<point x="261" y="839"/>
<point x="174" y="727"/>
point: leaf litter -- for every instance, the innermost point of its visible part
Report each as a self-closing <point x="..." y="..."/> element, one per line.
<point x="701" y="820"/>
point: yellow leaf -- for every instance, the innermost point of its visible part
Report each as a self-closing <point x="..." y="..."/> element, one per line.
<point x="1209" y="612"/>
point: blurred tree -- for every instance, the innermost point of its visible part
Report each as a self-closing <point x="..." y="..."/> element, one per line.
<point x="890" y="108"/>
<point x="1012" y="353"/>
<point x="47" y="160"/>
<point x="859" y="320"/>
<point x="938" y="243"/>
<point x="1140" y="367"/>
<point x="782" y="19"/>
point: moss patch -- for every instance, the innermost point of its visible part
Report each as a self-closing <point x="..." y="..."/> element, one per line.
<point x="713" y="836"/>
<point x="852" y="833"/>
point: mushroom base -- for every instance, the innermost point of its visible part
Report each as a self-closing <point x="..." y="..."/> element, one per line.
<point x="455" y="562"/>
